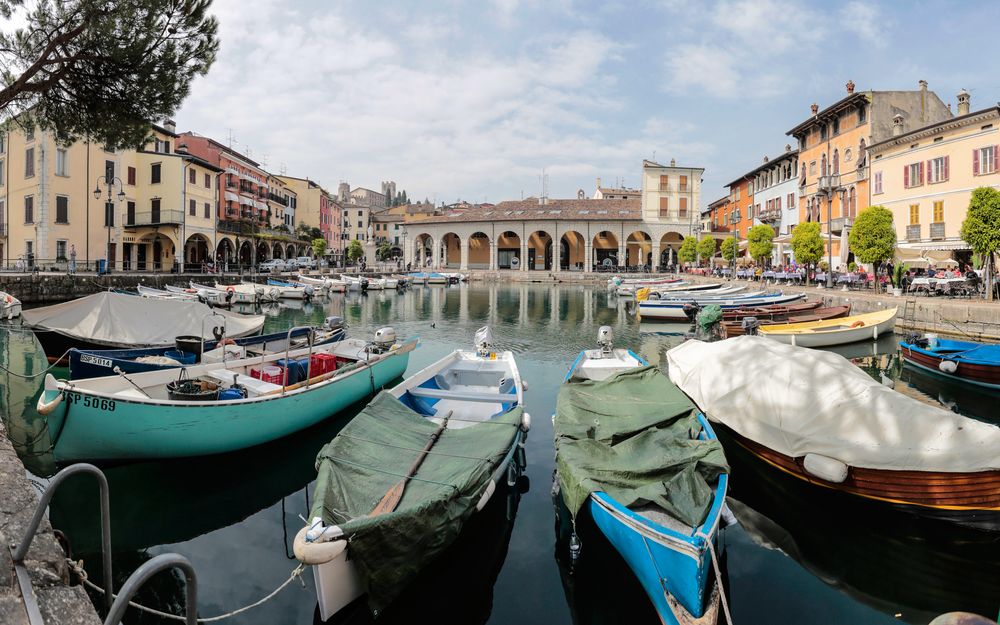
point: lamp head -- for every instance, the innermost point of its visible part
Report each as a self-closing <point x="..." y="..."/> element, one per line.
<point x="121" y="195"/>
<point x="97" y="192"/>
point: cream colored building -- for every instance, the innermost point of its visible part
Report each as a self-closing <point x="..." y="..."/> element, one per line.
<point x="671" y="195"/>
<point x="926" y="176"/>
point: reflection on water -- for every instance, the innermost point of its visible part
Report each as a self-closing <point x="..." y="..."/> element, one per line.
<point x="797" y="558"/>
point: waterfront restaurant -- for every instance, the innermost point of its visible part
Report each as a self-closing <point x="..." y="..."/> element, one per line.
<point x="542" y="234"/>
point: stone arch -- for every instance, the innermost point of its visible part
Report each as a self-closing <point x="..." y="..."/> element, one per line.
<point x="225" y="252"/>
<point x="263" y="252"/>
<point x="572" y="251"/>
<point x="423" y="246"/>
<point x="852" y="202"/>
<point x="197" y="250"/>
<point x="605" y="245"/>
<point x="638" y="248"/>
<point x="451" y="250"/>
<point x="540" y="246"/>
<point x="670" y="244"/>
<point x="836" y="161"/>
<point x="246" y="253"/>
<point x="290" y="251"/>
<point x="509" y="250"/>
<point x="155" y="251"/>
<point x="479" y="250"/>
<point x="277" y="251"/>
<point x="822" y="167"/>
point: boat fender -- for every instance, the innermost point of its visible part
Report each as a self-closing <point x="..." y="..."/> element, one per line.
<point x="227" y="341"/>
<point x="46" y="407"/>
<point x="274" y="293"/>
<point x="858" y="324"/>
<point x="317" y="552"/>
<point x="525" y="421"/>
<point x="490" y="487"/>
<point x="524" y="385"/>
<point x="827" y="469"/>
<point x="948" y="366"/>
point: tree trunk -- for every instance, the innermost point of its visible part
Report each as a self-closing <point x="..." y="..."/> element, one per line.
<point x="988" y="274"/>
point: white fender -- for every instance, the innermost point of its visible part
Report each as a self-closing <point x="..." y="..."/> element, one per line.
<point x="308" y="552"/>
<point x="827" y="469"/>
<point x="525" y="421"/>
<point x="484" y="499"/>
<point x="948" y="366"/>
<point x="46" y="407"/>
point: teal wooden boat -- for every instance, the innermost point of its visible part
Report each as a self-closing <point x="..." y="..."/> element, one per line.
<point x="138" y="417"/>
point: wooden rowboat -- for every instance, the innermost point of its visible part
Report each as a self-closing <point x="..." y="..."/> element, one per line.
<point x="866" y="327"/>
<point x="735" y="328"/>
<point x="965" y="361"/>
<point x="769" y="312"/>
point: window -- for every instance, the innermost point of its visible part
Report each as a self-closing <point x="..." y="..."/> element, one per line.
<point x="208" y="210"/>
<point x="664" y="183"/>
<point x="791" y="201"/>
<point x="664" y="207"/>
<point x="208" y="181"/>
<point x="682" y="207"/>
<point x="109" y="171"/>
<point x="913" y="175"/>
<point x="359" y="224"/>
<point x="130" y="213"/>
<point x="192" y="175"/>
<point x="836" y="125"/>
<point x="836" y="162"/>
<point x="62" y="168"/>
<point x="131" y="176"/>
<point x="60" y="249"/>
<point x="862" y="113"/>
<point x="3" y="143"/>
<point x="812" y="168"/>
<point x="737" y="194"/>
<point x="154" y="173"/>
<point x="360" y="213"/>
<point x="162" y="147"/>
<point x="29" y="134"/>
<point x="878" y="182"/>
<point x="938" y="212"/>
<point x="192" y="208"/>
<point x="109" y="215"/>
<point x="777" y="204"/>
<point x="937" y="169"/>
<point x="154" y="208"/>
<point x="914" y="214"/>
<point x="823" y="132"/>
<point x="29" y="210"/>
<point x="1" y="173"/>
<point x="984" y="160"/>
<point x="62" y="209"/>
<point x="683" y="184"/>
<point x="29" y="163"/>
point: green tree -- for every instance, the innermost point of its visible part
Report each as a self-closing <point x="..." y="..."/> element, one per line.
<point x="355" y="251"/>
<point x="873" y="237"/>
<point x="730" y="248"/>
<point x="384" y="249"/>
<point x="403" y="199"/>
<point x="706" y="249"/>
<point x="981" y="230"/>
<point x="308" y="233"/>
<point x="807" y="244"/>
<point x="102" y="70"/>
<point x="759" y="243"/>
<point x="689" y="250"/>
<point x="319" y="247"/>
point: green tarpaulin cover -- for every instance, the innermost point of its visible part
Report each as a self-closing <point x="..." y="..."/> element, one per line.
<point x="373" y="452"/>
<point x="629" y="436"/>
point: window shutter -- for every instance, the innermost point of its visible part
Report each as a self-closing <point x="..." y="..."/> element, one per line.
<point x="906" y="174"/>
<point x="930" y="171"/>
<point x="996" y="155"/>
<point x="946" y="159"/>
<point x="921" y="172"/>
<point x="975" y="162"/>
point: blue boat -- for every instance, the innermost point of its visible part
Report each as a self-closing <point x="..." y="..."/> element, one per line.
<point x="95" y="363"/>
<point x="213" y="408"/>
<point x="965" y="361"/>
<point x="621" y="428"/>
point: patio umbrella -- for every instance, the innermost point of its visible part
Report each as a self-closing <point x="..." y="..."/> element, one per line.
<point x="914" y="262"/>
<point x="951" y="262"/>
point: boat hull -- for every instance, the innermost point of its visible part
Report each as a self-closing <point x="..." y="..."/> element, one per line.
<point x="94" y="427"/>
<point x="735" y="328"/>
<point x="831" y="337"/>
<point x="675" y="310"/>
<point x="980" y="374"/>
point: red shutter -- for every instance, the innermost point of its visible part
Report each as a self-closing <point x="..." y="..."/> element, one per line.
<point x="975" y="162"/>
<point x="906" y="174"/>
<point x="921" y="172"/>
<point x="996" y="155"/>
<point x="946" y="159"/>
<point x="930" y="171"/>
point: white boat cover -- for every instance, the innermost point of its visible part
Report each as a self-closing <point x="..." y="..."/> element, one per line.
<point x="129" y="320"/>
<point x="800" y="401"/>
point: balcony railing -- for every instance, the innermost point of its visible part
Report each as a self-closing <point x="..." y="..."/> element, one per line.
<point x="839" y="223"/>
<point x="664" y="186"/>
<point x="937" y="230"/>
<point x="772" y="214"/>
<point x="913" y="232"/>
<point x="3" y="230"/>
<point x="163" y="217"/>
<point x="274" y="197"/>
<point x="862" y="173"/>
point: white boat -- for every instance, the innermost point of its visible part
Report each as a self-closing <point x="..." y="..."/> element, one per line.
<point x="463" y="412"/>
<point x="689" y="294"/>
<point x="603" y="362"/>
<point x="327" y="284"/>
<point x="354" y="283"/>
<point x="866" y="327"/>
<point x="209" y="296"/>
<point x="287" y="290"/>
<point x="390" y="283"/>
<point x="230" y="293"/>
<point x="264" y="293"/>
<point x="151" y="293"/>
<point x="376" y="284"/>
<point x="674" y="310"/>
<point x="10" y="306"/>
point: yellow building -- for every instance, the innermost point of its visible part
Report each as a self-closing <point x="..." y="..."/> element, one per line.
<point x="158" y="198"/>
<point x="926" y="176"/>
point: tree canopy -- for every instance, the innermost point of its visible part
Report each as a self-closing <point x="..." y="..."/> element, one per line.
<point x="873" y="236"/>
<point x="308" y="232"/>
<point x="730" y="248"/>
<point x="759" y="240"/>
<point x="102" y="69"/>
<point x="319" y="247"/>
<point x="689" y="250"/>
<point x="354" y="250"/>
<point x="706" y="248"/>
<point x="981" y="229"/>
<point x="807" y="244"/>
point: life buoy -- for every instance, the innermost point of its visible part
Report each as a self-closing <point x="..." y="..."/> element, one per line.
<point x="227" y="341"/>
<point x="858" y="324"/>
<point x="230" y="289"/>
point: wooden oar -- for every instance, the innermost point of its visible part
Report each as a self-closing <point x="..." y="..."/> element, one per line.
<point x="391" y="499"/>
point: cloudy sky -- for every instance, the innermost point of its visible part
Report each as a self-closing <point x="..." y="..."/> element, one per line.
<point x="471" y="100"/>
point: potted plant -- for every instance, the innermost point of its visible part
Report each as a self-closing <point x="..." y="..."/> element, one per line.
<point x="897" y="279"/>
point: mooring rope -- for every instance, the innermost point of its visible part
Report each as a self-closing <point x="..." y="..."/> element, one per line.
<point x="77" y="567"/>
<point x="35" y="375"/>
<point x="718" y="577"/>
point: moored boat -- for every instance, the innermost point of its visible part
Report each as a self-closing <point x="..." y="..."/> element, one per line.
<point x="681" y="310"/>
<point x="753" y="323"/>
<point x="10" y="306"/>
<point x="635" y="453"/>
<point x="327" y="284"/>
<point x="206" y="296"/>
<point x="288" y="290"/>
<point x="397" y="484"/>
<point x="153" y="293"/>
<point x="965" y="361"/>
<point x="839" y="331"/>
<point x="229" y="293"/>
<point x="814" y="415"/>
<point x="214" y="407"/>
<point x="769" y="312"/>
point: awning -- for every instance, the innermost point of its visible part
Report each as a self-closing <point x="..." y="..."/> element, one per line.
<point x="246" y="201"/>
<point x="231" y="197"/>
<point x="949" y="246"/>
<point x="785" y="238"/>
<point x="261" y="205"/>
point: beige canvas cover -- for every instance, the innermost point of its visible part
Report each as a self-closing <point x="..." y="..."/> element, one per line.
<point x="129" y="320"/>
<point x="800" y="401"/>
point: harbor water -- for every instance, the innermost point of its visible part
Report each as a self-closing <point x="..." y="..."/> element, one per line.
<point x="796" y="553"/>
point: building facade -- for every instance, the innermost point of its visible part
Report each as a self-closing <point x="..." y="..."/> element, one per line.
<point x="833" y="161"/>
<point x="315" y="208"/>
<point x="926" y="176"/>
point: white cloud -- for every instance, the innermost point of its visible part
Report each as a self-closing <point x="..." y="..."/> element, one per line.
<point x="867" y="21"/>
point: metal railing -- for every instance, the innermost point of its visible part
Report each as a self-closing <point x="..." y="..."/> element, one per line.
<point x="839" y="223"/>
<point x="937" y="230"/>
<point x="913" y="232"/>
<point x="148" y="569"/>
<point x="153" y="218"/>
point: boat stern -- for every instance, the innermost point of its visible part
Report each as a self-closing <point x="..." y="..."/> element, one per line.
<point x="338" y="583"/>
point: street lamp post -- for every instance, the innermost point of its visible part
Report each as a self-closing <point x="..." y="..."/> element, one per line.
<point x="109" y="213"/>
<point x="697" y="239"/>
<point x="404" y="245"/>
<point x="828" y="185"/>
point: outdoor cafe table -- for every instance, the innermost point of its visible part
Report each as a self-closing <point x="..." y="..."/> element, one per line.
<point x="927" y="285"/>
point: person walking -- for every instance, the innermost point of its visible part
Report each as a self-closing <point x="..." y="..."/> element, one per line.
<point x="72" y="259"/>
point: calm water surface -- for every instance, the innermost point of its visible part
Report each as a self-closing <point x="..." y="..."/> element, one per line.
<point x="797" y="555"/>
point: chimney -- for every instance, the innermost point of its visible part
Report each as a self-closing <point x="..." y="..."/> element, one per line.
<point x="850" y="87"/>
<point x="963" y="102"/>
<point x="788" y="147"/>
<point x="897" y="124"/>
<point x="923" y="101"/>
<point x="673" y="163"/>
<point x="169" y="125"/>
<point x="814" y="108"/>
<point x="598" y="183"/>
<point x="766" y="159"/>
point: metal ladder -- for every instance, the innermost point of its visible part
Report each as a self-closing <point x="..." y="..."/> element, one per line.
<point x="115" y="610"/>
<point x="909" y="317"/>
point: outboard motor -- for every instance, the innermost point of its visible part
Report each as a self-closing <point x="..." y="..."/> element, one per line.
<point x="309" y="291"/>
<point x="691" y="310"/>
<point x="384" y="339"/>
<point x="229" y="296"/>
<point x="750" y="325"/>
<point x="363" y="282"/>
<point x="484" y="341"/>
<point x="605" y="340"/>
<point x="333" y="322"/>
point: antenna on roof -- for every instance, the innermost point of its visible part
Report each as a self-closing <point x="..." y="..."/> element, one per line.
<point x="654" y="156"/>
<point x="263" y="162"/>
<point x="231" y="138"/>
<point x="282" y="169"/>
<point x="545" y="188"/>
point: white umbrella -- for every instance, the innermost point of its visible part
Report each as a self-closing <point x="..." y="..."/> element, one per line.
<point x="914" y="262"/>
<point x="947" y="261"/>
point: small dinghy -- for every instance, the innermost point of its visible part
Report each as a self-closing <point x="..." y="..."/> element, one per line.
<point x="838" y="331"/>
<point x="10" y="306"/>
<point x="289" y="290"/>
<point x="635" y="453"/>
<point x="230" y="293"/>
<point x="965" y="361"/>
<point x="397" y="484"/>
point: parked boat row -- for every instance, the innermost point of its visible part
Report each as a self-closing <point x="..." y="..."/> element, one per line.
<point x="680" y="309"/>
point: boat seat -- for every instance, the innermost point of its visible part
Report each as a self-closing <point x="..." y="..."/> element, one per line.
<point x="437" y="393"/>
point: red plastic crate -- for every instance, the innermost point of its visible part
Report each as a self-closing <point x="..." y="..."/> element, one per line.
<point x="278" y="378"/>
<point x="322" y="364"/>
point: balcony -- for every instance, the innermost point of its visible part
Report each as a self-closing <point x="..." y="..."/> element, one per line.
<point x="839" y="223"/>
<point x="829" y="182"/>
<point x="862" y="173"/>
<point x="913" y="232"/>
<point x="937" y="231"/>
<point x="274" y="197"/>
<point x="664" y="187"/>
<point x="154" y="218"/>
<point x="769" y="215"/>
